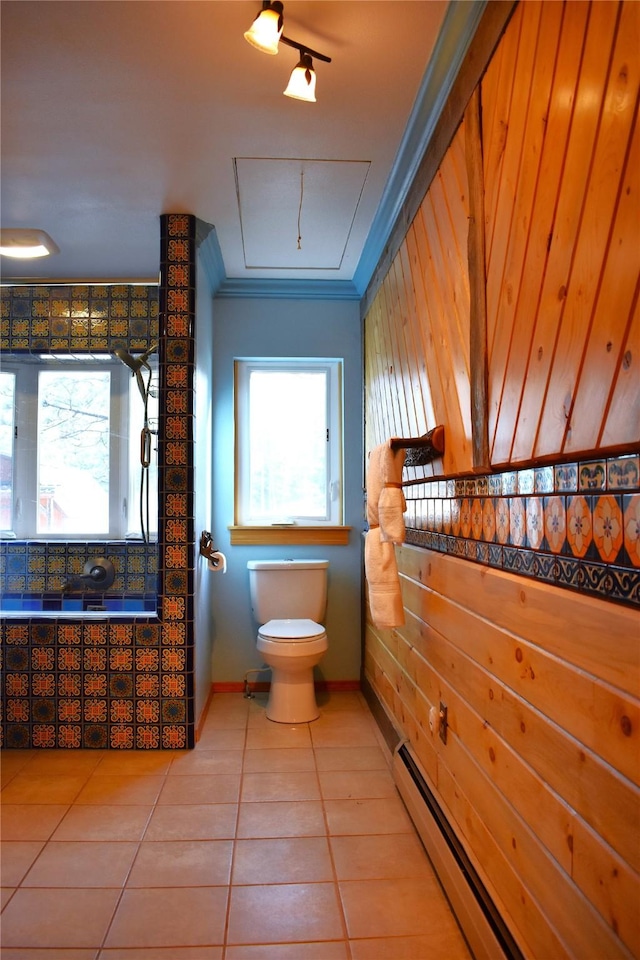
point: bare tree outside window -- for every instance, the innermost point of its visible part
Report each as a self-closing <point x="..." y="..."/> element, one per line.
<point x="73" y="451"/>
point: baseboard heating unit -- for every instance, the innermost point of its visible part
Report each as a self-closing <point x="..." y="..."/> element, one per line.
<point x="485" y="931"/>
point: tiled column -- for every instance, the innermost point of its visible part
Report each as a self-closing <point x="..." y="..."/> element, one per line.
<point x="176" y="471"/>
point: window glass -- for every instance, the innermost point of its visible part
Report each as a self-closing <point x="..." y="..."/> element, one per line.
<point x="288" y="415"/>
<point x="73" y="451"/>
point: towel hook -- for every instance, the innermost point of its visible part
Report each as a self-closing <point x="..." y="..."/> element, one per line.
<point x="421" y="450"/>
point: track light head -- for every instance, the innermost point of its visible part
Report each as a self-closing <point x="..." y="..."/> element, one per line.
<point x="302" y="82"/>
<point x="266" y="30"/>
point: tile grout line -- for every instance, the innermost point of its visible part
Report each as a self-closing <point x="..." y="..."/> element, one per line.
<point x="336" y="885"/>
<point x="139" y="842"/>
<point x="225" y="932"/>
<point x="70" y="804"/>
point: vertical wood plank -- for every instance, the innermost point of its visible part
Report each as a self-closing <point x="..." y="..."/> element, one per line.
<point x="497" y="126"/>
<point x="373" y="397"/>
<point x="424" y="405"/>
<point x="390" y="423"/>
<point x="415" y="412"/>
<point x="451" y="208"/>
<point x="420" y="381"/>
<point x="400" y="352"/>
<point x="623" y="417"/>
<point x="451" y="265"/>
<point x="477" y="285"/>
<point x="458" y="413"/>
<point x="506" y="189"/>
<point x="388" y="361"/>
<point x="384" y="425"/>
<point x="417" y="249"/>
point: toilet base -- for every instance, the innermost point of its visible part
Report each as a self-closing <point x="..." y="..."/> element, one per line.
<point x="292" y="697"/>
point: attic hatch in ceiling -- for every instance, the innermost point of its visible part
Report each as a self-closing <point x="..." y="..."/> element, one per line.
<point x="297" y="214"/>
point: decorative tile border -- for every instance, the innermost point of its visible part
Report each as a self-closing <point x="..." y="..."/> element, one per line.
<point x="41" y="567"/>
<point x="78" y="318"/>
<point x="127" y="683"/>
<point x="575" y="525"/>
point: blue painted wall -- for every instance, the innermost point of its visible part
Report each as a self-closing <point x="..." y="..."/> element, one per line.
<point x="271" y="328"/>
<point x="203" y="479"/>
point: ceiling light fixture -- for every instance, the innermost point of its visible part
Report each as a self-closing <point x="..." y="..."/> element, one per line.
<point x="302" y="82"/>
<point x="26" y="244"/>
<point x="266" y="30"/>
<point x="265" y="34"/>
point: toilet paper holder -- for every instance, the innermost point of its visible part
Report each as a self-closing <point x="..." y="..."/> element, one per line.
<point x="207" y="548"/>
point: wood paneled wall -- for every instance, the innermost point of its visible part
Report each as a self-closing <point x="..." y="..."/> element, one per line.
<point x="540" y="770"/>
<point x="561" y="173"/>
<point x="540" y="775"/>
<point x="417" y="331"/>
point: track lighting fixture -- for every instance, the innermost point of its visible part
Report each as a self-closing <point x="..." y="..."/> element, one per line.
<point x="265" y="34"/>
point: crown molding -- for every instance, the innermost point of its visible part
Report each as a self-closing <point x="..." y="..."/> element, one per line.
<point x="288" y="289"/>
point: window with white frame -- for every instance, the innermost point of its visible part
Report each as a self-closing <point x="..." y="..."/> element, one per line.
<point x="70" y="449"/>
<point x="288" y="442"/>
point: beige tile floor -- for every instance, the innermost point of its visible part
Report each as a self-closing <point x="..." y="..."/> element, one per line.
<point x="266" y="842"/>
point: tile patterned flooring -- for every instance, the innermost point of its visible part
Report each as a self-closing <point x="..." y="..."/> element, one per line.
<point x="266" y="842"/>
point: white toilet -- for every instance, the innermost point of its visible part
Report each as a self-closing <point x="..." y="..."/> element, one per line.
<point x="288" y="599"/>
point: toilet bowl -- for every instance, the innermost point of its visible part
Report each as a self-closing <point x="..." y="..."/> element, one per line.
<point x="292" y="648"/>
<point x="287" y="595"/>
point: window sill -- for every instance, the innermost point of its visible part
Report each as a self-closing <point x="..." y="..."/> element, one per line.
<point x="288" y="536"/>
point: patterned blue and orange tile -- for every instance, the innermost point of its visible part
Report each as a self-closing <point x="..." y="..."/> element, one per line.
<point x="573" y="524"/>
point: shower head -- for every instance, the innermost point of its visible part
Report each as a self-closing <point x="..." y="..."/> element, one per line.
<point x="134" y="363"/>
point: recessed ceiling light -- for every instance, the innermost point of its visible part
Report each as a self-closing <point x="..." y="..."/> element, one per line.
<point x="26" y="244"/>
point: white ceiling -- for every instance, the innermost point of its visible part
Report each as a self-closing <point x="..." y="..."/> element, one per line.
<point x="115" y="111"/>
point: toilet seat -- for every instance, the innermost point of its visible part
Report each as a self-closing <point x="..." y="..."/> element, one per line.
<point x="291" y="631"/>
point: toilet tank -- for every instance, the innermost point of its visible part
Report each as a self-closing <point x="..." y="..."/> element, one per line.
<point x="288" y="589"/>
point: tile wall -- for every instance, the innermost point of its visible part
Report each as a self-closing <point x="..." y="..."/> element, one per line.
<point x="576" y="525"/>
<point x="124" y="683"/>
<point x="33" y="573"/>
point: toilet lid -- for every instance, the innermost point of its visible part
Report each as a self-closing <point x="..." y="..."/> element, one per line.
<point x="291" y="630"/>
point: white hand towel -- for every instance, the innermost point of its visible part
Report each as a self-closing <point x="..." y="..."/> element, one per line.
<point x="385" y="513"/>
<point x="385" y="595"/>
<point x="385" y="499"/>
